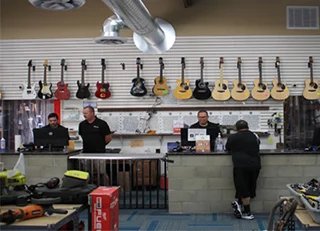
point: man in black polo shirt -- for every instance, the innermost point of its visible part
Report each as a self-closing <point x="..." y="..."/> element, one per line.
<point x="203" y="122"/>
<point x="95" y="132"/>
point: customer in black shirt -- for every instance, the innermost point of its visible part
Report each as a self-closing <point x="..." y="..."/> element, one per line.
<point x="203" y="122"/>
<point x="244" y="148"/>
<point x="95" y="132"/>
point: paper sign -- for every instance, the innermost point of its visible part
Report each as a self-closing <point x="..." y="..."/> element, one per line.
<point x="136" y="143"/>
<point x="177" y="125"/>
<point x="193" y="133"/>
<point x="202" y="143"/>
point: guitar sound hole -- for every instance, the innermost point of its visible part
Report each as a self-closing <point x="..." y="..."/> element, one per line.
<point x="224" y="87"/>
<point x="314" y="85"/>
<point x="242" y="87"/>
<point x="186" y="87"/>
<point x="262" y="86"/>
<point x="282" y="86"/>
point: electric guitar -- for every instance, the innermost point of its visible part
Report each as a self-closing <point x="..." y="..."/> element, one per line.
<point x="28" y="89"/>
<point x="160" y="88"/>
<point x="240" y="90"/>
<point x="311" y="90"/>
<point x="260" y="90"/>
<point x="221" y="91"/>
<point x="45" y="88"/>
<point x="83" y="89"/>
<point x="182" y="90"/>
<point x="279" y="90"/>
<point x="202" y="91"/>
<point x="138" y="89"/>
<point x="62" y="91"/>
<point x="102" y="91"/>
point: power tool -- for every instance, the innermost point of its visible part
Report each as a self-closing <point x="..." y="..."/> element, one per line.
<point x="39" y="208"/>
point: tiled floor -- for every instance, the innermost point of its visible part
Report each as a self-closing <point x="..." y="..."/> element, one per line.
<point x="155" y="220"/>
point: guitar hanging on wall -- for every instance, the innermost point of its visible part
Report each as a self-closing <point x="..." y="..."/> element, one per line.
<point x="138" y="89"/>
<point x="102" y="91"/>
<point x="260" y="90"/>
<point x="83" y="89"/>
<point x="62" y="91"/>
<point x="221" y="91"/>
<point x="182" y="90"/>
<point x="311" y="90"/>
<point x="202" y="91"/>
<point x="160" y="87"/>
<point x="45" y="88"/>
<point x="279" y="91"/>
<point x="240" y="90"/>
<point x="28" y="89"/>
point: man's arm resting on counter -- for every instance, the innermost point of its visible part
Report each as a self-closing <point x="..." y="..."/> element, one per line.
<point x="108" y="138"/>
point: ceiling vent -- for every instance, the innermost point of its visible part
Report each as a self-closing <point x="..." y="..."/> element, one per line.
<point x="303" y="17"/>
<point x="57" y="4"/>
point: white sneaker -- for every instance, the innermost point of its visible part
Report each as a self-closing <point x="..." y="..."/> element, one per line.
<point x="236" y="209"/>
<point x="247" y="216"/>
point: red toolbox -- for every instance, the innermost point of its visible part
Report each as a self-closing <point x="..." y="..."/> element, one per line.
<point x="104" y="204"/>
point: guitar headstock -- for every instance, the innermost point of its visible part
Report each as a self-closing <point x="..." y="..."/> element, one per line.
<point x="46" y="63"/>
<point x="103" y="63"/>
<point x="63" y="62"/>
<point x="260" y="60"/>
<point x="277" y="62"/>
<point x="221" y="62"/>
<point x="161" y="63"/>
<point x="201" y="62"/>
<point x="310" y="61"/>
<point x="239" y="62"/>
<point x="30" y="63"/>
<point x="83" y="64"/>
<point x="183" y="63"/>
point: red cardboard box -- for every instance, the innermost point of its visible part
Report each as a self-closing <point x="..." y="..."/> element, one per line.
<point x="104" y="203"/>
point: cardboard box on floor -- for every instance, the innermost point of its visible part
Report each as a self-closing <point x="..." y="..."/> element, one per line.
<point x="104" y="202"/>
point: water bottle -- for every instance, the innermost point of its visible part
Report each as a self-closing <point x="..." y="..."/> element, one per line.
<point x="219" y="146"/>
<point x="3" y="144"/>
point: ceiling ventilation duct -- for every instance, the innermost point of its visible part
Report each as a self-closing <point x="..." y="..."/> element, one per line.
<point x="58" y="4"/>
<point x="153" y="36"/>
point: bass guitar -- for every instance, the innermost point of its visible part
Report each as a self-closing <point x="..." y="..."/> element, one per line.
<point x="28" y="89"/>
<point x="160" y="88"/>
<point x="311" y="90"/>
<point x="182" y="90"/>
<point x="240" y="90"/>
<point x="260" y="90"/>
<point x="45" y="88"/>
<point x="83" y="89"/>
<point x="138" y="89"/>
<point x="62" y="91"/>
<point x="102" y="91"/>
<point x="202" y="91"/>
<point x="279" y="90"/>
<point x="221" y="90"/>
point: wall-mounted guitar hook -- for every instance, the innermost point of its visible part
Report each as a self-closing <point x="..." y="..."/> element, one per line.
<point x="49" y="68"/>
<point x="123" y="65"/>
<point x="33" y="68"/>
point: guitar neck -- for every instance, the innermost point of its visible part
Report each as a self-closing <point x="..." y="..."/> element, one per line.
<point x="138" y="72"/>
<point x="221" y="74"/>
<point x="311" y="73"/>
<point x="82" y="76"/>
<point x="201" y="73"/>
<point x="260" y="73"/>
<point x="102" y="74"/>
<point x="29" y="77"/>
<point x="278" y="72"/>
<point x="45" y="76"/>
<point x="182" y="70"/>
<point x="239" y="73"/>
<point x="62" y="67"/>
<point x="161" y="73"/>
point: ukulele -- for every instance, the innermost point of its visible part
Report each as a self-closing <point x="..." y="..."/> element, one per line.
<point x="138" y="89"/>
<point x="240" y="90"/>
<point x="279" y="90"/>
<point x="28" y="90"/>
<point x="83" y="89"/>
<point x="221" y="90"/>
<point x="62" y="91"/>
<point x="102" y="91"/>
<point x="311" y="90"/>
<point x="160" y="88"/>
<point x="202" y="91"/>
<point x="260" y="90"/>
<point x="182" y="90"/>
<point x="45" y="88"/>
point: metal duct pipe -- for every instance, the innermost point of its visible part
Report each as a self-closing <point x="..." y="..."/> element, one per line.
<point x="151" y="35"/>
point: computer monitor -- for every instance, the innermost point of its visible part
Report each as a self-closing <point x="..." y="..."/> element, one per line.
<point x="184" y="135"/>
<point x="51" y="137"/>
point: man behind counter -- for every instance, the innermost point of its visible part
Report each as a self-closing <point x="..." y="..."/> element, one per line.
<point x="203" y="122"/>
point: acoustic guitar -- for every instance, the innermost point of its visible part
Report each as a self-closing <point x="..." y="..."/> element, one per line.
<point x="102" y="91"/>
<point x="240" y="90"/>
<point x="279" y="90"/>
<point x="83" y="89"/>
<point x="182" y="90"/>
<point x="160" y="88"/>
<point x="45" y="88"/>
<point x="221" y="91"/>
<point x="202" y="91"/>
<point x="28" y="89"/>
<point x="62" y="91"/>
<point x="260" y="90"/>
<point x="138" y="89"/>
<point x="311" y="90"/>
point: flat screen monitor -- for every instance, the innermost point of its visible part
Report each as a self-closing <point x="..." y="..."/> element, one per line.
<point x="51" y="137"/>
<point x="184" y="135"/>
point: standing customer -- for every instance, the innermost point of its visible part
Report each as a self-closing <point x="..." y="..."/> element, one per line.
<point x="244" y="148"/>
<point x="95" y="132"/>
